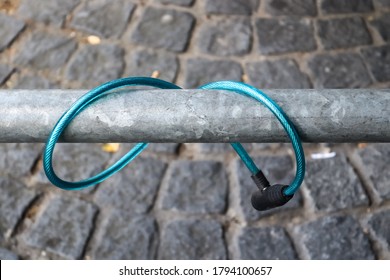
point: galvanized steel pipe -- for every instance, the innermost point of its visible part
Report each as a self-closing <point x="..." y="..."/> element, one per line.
<point x="345" y="115"/>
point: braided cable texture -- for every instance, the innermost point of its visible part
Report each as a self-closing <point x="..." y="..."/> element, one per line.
<point x="258" y="95"/>
<point x="74" y="110"/>
<point x="93" y="95"/>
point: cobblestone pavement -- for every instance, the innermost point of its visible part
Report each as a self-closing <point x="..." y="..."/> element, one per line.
<point x="192" y="201"/>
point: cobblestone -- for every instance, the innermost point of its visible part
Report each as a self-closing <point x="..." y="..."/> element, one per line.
<point x="383" y="3"/>
<point x="214" y="148"/>
<point x="7" y="255"/>
<point x="125" y="237"/>
<point x="197" y="187"/>
<point x="169" y="148"/>
<point x="34" y="82"/>
<point x="343" y="33"/>
<point x="291" y="7"/>
<point x="277" y="169"/>
<point x="338" y="237"/>
<point x="175" y="26"/>
<point x="14" y="199"/>
<point x="270" y="43"/>
<point x="201" y="71"/>
<point x="381" y="24"/>
<point x="282" y="73"/>
<point x="177" y="2"/>
<point x="193" y="239"/>
<point x="134" y="188"/>
<point x="45" y="51"/>
<point x="145" y="62"/>
<point x="379" y="222"/>
<point x="213" y="38"/>
<point x="285" y="35"/>
<point x="75" y="162"/>
<point x="11" y="155"/>
<point x="5" y="72"/>
<point x="334" y="185"/>
<point x="232" y="7"/>
<point x="346" y="6"/>
<point x="266" y="244"/>
<point x="10" y="27"/>
<point x="376" y="163"/>
<point x="47" y="11"/>
<point x="83" y="66"/>
<point x="62" y="227"/>
<point x="378" y="60"/>
<point x="345" y="70"/>
<point x="92" y="17"/>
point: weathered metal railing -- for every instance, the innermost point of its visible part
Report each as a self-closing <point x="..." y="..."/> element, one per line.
<point x="347" y="115"/>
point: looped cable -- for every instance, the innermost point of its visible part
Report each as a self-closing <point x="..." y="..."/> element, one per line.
<point x="90" y="97"/>
<point x="74" y="110"/>
<point x="258" y="95"/>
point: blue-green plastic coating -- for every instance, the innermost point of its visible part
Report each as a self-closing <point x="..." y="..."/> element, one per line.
<point x="100" y="91"/>
<point x="74" y="110"/>
<point x="258" y="95"/>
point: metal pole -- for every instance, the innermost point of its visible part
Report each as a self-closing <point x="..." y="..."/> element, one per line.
<point x="347" y="115"/>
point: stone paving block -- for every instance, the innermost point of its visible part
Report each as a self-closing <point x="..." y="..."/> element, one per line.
<point x="125" y="237"/>
<point x="14" y="199"/>
<point x="75" y="162"/>
<point x="215" y="148"/>
<point x="193" y="240"/>
<point x="10" y="27"/>
<point x="5" y="72"/>
<point x="62" y="227"/>
<point x="282" y="73"/>
<point x="376" y="165"/>
<point x="232" y="7"/>
<point x="177" y="2"/>
<point x="96" y="64"/>
<point x="290" y="34"/>
<point x="134" y="188"/>
<point x="343" y="33"/>
<point x="378" y="60"/>
<point x="51" y="12"/>
<point x="158" y="148"/>
<point x="214" y="38"/>
<point x="45" y="50"/>
<point x="7" y="255"/>
<point x="335" y="238"/>
<point x="291" y="7"/>
<point x="34" y="82"/>
<point x="201" y="71"/>
<point x="346" y="6"/>
<point x="145" y="62"/>
<point x="103" y="17"/>
<point x="344" y="70"/>
<point x="169" y="148"/>
<point x="18" y="159"/>
<point x="379" y="223"/>
<point x="381" y="24"/>
<point x="383" y="3"/>
<point x="176" y="28"/>
<point x="197" y="187"/>
<point x="270" y="243"/>
<point x="334" y="185"/>
<point x="277" y="169"/>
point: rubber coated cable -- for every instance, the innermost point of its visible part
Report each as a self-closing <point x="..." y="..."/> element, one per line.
<point x="260" y="96"/>
<point x="93" y="95"/>
<point x="77" y="108"/>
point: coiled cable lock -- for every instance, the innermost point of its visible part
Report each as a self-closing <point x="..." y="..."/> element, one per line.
<point x="268" y="196"/>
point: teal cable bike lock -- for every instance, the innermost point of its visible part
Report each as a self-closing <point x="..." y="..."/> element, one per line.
<point x="266" y="197"/>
